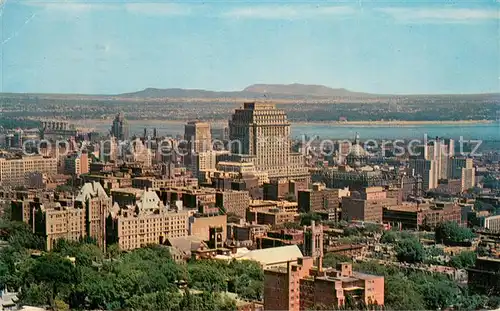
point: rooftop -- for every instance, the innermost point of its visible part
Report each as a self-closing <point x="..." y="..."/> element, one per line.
<point x="273" y="256"/>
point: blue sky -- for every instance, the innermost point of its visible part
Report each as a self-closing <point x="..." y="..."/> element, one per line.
<point x="109" y="47"/>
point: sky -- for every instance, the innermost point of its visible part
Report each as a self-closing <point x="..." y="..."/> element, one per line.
<point x="118" y="46"/>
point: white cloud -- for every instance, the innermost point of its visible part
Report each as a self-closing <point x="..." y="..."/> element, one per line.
<point x="440" y="15"/>
<point x="287" y="11"/>
<point x="158" y="8"/>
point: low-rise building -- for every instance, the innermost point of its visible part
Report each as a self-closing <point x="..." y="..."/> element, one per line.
<point x="492" y="223"/>
<point x="275" y="238"/>
<point x="416" y="216"/>
<point x="201" y="222"/>
<point x="155" y="183"/>
<point x="301" y="286"/>
<point x="270" y="216"/>
<point x="244" y="234"/>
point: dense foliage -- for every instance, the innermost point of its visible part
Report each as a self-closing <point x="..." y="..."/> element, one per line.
<point x="306" y="218"/>
<point x="463" y="260"/>
<point x="409" y="250"/>
<point x="450" y="233"/>
<point x="78" y="275"/>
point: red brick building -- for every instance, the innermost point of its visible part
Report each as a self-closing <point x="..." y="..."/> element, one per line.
<point x="421" y="216"/>
<point x="302" y="286"/>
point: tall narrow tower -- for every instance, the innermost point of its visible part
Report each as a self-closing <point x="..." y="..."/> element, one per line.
<point x="313" y="242"/>
<point x="119" y="129"/>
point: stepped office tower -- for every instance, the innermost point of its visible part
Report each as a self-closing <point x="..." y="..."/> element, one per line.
<point x="263" y="133"/>
<point x="119" y="129"/>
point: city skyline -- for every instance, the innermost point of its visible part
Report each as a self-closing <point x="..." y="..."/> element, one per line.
<point x="122" y="46"/>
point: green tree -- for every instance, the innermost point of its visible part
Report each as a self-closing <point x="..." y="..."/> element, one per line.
<point x="409" y="250"/>
<point x="450" y="233"/>
<point x="463" y="260"/>
<point x="389" y="237"/>
<point x="306" y="218"/>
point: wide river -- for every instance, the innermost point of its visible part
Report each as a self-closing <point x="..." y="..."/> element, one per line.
<point x="482" y="131"/>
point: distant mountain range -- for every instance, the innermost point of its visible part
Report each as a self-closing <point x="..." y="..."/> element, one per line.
<point x="274" y="91"/>
<point x="278" y="92"/>
<point x="294" y="91"/>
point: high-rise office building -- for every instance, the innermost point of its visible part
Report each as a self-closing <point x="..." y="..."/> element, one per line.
<point x="198" y="136"/>
<point x="427" y="170"/>
<point x="463" y="169"/>
<point x="119" y="129"/>
<point x="200" y="156"/>
<point x="260" y="133"/>
<point x="437" y="150"/>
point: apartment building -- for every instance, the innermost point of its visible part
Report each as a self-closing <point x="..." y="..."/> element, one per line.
<point x="232" y="201"/>
<point x="13" y="170"/>
<point x="76" y="164"/>
<point x="366" y="205"/>
<point x="54" y="222"/>
<point x="302" y="285"/>
<point x="156" y="183"/>
<point x="484" y="277"/>
<point x="71" y="219"/>
<point x="272" y="217"/>
<point x="492" y="223"/>
<point x="416" y="216"/>
<point x="322" y="200"/>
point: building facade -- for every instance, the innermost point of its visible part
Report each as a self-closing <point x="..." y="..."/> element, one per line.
<point x="260" y="133"/>
<point x="147" y="221"/>
<point x="303" y="286"/>
<point x="13" y="170"/>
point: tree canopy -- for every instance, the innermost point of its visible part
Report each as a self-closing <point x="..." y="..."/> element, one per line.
<point x="409" y="250"/>
<point x="78" y="275"/>
<point x="450" y="233"/>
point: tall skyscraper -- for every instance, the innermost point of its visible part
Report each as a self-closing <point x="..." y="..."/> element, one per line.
<point x="463" y="169"/>
<point x="198" y="136"/>
<point x="200" y="156"/>
<point x="260" y="133"/>
<point x="425" y="169"/>
<point x="439" y="151"/>
<point x="119" y="129"/>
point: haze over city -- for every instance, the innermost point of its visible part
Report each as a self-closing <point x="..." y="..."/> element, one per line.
<point x="93" y="47"/>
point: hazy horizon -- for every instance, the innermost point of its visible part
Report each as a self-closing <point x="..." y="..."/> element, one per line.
<point x="119" y="46"/>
